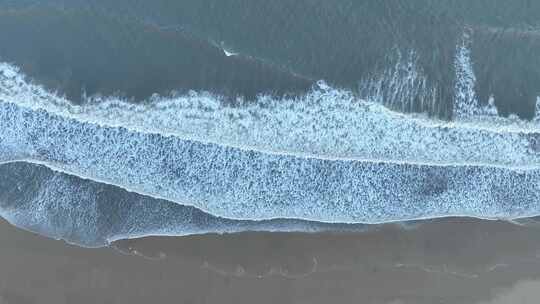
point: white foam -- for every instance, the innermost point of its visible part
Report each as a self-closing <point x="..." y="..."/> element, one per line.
<point x="325" y="156"/>
<point x="326" y="123"/>
<point x="400" y="85"/>
<point x="91" y="214"/>
<point x="229" y="53"/>
<point x="467" y="105"/>
<point x="537" y="110"/>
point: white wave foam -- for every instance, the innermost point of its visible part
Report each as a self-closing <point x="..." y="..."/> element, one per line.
<point x="91" y="214"/>
<point x="537" y="110"/>
<point x="345" y="160"/>
<point x="400" y="85"/>
<point x="326" y="123"/>
<point x="56" y="209"/>
<point x="467" y="106"/>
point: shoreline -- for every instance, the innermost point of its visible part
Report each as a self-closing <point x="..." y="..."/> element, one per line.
<point x="458" y="260"/>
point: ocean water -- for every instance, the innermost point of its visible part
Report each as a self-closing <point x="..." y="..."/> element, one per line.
<point x="156" y="122"/>
<point x="92" y="214"/>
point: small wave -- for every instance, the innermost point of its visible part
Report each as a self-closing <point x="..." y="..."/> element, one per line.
<point x="92" y="214"/>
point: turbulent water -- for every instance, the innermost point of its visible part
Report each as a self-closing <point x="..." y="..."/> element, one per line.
<point x="94" y="214"/>
<point x="201" y="161"/>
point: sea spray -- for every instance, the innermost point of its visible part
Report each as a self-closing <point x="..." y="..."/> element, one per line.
<point x="466" y="103"/>
<point x="401" y="85"/>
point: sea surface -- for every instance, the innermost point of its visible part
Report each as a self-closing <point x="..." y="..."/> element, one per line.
<point x="256" y="151"/>
<point x="124" y="119"/>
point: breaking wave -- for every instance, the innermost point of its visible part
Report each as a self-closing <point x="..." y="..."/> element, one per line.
<point x="327" y="156"/>
<point x="326" y="123"/>
<point x="92" y="214"/>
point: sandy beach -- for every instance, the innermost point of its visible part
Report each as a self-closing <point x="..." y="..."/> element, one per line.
<point x="440" y="261"/>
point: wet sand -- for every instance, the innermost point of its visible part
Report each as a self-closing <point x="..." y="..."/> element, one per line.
<point x="440" y="261"/>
